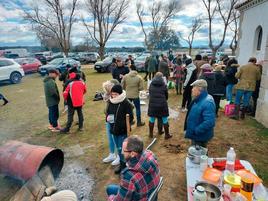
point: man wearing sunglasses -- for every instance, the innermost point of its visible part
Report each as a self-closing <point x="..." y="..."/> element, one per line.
<point x="141" y="176"/>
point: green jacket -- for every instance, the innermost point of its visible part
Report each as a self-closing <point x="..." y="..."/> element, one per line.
<point x="51" y="92"/>
<point x="132" y="83"/>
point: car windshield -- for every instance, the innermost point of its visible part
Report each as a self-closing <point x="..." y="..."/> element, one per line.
<point x="108" y="59"/>
<point x="56" y="61"/>
<point x="20" y="61"/>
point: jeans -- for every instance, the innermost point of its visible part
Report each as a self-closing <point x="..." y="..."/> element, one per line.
<point x="110" y="138"/>
<point x="245" y="94"/>
<point x="137" y="104"/>
<point x="112" y="189"/>
<point x="53" y="115"/>
<point x="118" y="140"/>
<point x="229" y="92"/>
<point x="71" y="111"/>
<point x="164" y="120"/>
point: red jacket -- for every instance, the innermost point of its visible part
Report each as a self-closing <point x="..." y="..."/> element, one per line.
<point x="76" y="89"/>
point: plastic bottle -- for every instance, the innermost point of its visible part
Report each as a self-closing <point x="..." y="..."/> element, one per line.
<point x="230" y="160"/>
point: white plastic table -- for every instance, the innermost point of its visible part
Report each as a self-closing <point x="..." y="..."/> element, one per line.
<point x="194" y="174"/>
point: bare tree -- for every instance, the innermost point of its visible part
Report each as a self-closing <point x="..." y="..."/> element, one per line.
<point x="56" y="17"/>
<point x="46" y="38"/>
<point x="195" y="26"/>
<point x="221" y="12"/>
<point x="160" y="15"/>
<point x="234" y="29"/>
<point x="106" y="16"/>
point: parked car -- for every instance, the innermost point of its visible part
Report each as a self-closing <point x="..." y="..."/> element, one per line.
<point x="10" y="70"/>
<point x="88" y="57"/>
<point x="140" y="63"/>
<point x="41" y="58"/>
<point x="29" y="64"/>
<point x="11" y="56"/>
<point x="104" y="65"/>
<point x="59" y="64"/>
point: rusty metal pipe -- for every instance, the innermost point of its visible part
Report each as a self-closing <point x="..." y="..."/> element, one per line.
<point x="22" y="161"/>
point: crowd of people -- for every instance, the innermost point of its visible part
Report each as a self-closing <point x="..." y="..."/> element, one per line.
<point x="202" y="82"/>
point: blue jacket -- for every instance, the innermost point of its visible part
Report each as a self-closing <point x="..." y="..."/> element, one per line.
<point x="200" y="119"/>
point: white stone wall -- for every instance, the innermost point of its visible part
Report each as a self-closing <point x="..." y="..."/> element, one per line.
<point x="262" y="105"/>
<point x="251" y="19"/>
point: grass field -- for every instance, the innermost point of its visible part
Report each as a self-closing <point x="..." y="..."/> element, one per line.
<point x="25" y="119"/>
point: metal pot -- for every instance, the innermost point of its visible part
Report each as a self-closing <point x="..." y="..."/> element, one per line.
<point x="213" y="192"/>
<point x="195" y="152"/>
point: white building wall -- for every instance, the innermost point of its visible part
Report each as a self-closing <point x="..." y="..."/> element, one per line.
<point x="251" y="19"/>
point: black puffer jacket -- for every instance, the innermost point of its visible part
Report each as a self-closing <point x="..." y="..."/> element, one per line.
<point x="210" y="78"/>
<point x="119" y="127"/>
<point x="220" y="83"/>
<point x="158" y="106"/>
<point x="230" y="72"/>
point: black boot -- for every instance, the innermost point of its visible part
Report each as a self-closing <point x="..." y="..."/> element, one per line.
<point x="151" y="129"/>
<point x="160" y="126"/>
<point x="119" y="168"/>
<point x="235" y="116"/>
<point x="5" y="101"/>
<point x="139" y="122"/>
<point x="167" y="134"/>
<point x="243" y="113"/>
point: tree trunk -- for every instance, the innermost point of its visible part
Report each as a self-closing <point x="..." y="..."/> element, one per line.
<point x="102" y="51"/>
<point x="190" y="50"/>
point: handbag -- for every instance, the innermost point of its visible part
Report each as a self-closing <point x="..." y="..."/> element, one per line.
<point x="229" y="110"/>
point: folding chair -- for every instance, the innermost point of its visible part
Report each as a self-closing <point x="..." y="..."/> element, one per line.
<point x="154" y="195"/>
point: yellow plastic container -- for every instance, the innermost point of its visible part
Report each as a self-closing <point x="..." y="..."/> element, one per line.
<point x="234" y="181"/>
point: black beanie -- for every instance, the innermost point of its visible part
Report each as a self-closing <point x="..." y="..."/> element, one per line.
<point x="117" y="89"/>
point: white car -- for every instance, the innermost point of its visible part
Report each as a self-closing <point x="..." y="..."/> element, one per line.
<point x="10" y="70"/>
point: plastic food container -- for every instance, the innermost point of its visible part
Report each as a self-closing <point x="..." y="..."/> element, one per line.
<point x="234" y="181"/>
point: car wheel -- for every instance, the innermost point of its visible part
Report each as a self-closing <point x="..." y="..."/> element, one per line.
<point x="15" y="77"/>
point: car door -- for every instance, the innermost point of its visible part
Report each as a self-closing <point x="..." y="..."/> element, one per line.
<point x="4" y="69"/>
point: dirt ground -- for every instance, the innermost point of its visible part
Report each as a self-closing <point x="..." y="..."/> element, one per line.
<point x="25" y="119"/>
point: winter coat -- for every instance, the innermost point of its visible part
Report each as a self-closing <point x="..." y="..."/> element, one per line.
<point x="200" y="119"/>
<point x="158" y="96"/>
<point x="123" y="70"/>
<point x="132" y="83"/>
<point x="139" y="179"/>
<point x="210" y="78"/>
<point x="163" y="68"/>
<point x="198" y="64"/>
<point x="248" y="75"/>
<point x="191" y="75"/>
<point x="152" y="64"/>
<point x="119" y="110"/>
<point x="220" y="83"/>
<point x="51" y="92"/>
<point x="75" y="92"/>
<point x="230" y="72"/>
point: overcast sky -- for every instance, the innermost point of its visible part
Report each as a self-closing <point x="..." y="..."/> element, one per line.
<point x="14" y="31"/>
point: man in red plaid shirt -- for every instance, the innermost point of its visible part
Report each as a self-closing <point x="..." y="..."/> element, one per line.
<point x="141" y="176"/>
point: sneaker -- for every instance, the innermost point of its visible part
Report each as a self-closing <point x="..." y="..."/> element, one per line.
<point x="116" y="161"/>
<point x="109" y="158"/>
<point x="55" y="130"/>
<point x="80" y="129"/>
<point x="139" y="124"/>
<point x="184" y="110"/>
<point x="50" y="127"/>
